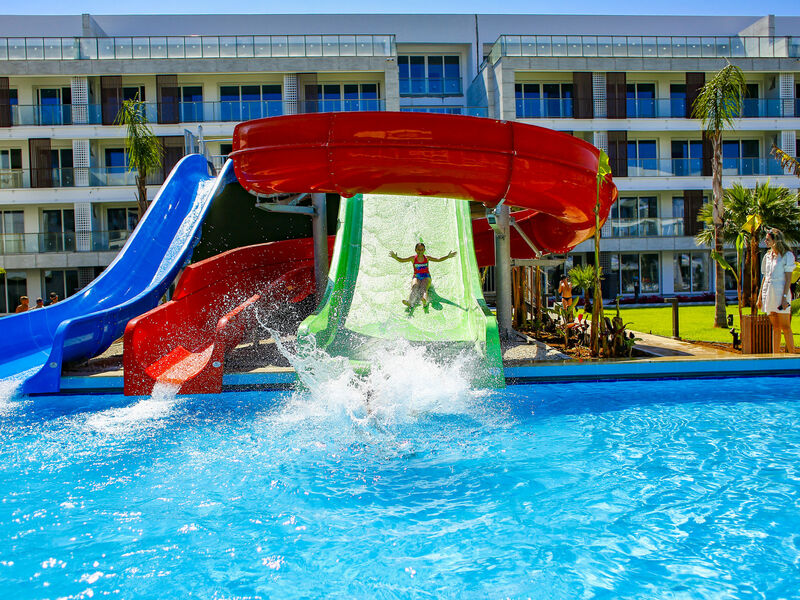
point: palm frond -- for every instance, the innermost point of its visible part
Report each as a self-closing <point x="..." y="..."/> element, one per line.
<point x="788" y="163"/>
<point x="720" y="100"/>
<point x="144" y="149"/>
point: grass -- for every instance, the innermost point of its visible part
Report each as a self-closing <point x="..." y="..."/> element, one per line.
<point x="696" y="322"/>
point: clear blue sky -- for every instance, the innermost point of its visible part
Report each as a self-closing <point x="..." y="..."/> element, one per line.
<point x="671" y="7"/>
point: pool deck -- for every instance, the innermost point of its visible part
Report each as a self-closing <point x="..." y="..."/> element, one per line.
<point x="525" y="363"/>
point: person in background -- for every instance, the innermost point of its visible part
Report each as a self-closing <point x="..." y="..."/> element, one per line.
<point x="53" y="299"/>
<point x="775" y="297"/>
<point x="23" y="304"/>
<point x="39" y="303"/>
<point x="565" y="290"/>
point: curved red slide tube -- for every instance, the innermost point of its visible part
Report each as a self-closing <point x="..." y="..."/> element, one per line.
<point x="483" y="160"/>
<point x="213" y="308"/>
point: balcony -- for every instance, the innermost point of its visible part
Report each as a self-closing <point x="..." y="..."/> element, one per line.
<point x="72" y="177"/>
<point x="693" y="167"/>
<point x="430" y="86"/>
<point x="471" y="111"/>
<point x="636" y="46"/>
<point x="544" y="108"/>
<point x="195" y="46"/>
<point x="644" y="227"/>
<point x="675" y="108"/>
<point x="188" y="112"/>
<point x="69" y="241"/>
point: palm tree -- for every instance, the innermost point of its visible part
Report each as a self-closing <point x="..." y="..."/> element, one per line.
<point x="748" y="213"/>
<point x="582" y="278"/>
<point x="143" y="148"/>
<point x="717" y="105"/>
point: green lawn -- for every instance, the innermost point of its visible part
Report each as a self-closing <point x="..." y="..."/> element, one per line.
<point x="695" y="321"/>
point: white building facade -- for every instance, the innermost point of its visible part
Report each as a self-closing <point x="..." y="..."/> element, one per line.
<point x="67" y="202"/>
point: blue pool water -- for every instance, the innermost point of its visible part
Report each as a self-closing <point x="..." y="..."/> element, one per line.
<point x="663" y="489"/>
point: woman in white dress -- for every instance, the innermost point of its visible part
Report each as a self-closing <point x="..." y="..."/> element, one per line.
<point x="775" y="297"/>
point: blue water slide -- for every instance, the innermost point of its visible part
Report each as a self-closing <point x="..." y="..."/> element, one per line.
<point x="34" y="344"/>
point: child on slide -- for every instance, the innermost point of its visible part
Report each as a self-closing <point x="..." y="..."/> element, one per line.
<point x="422" y="277"/>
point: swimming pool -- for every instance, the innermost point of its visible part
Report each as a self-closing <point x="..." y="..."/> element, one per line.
<point x="657" y="489"/>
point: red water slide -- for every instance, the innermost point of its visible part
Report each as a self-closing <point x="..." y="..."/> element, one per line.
<point x="185" y="340"/>
<point x="552" y="173"/>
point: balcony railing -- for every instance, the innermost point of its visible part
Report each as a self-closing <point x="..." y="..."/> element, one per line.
<point x="430" y="86"/>
<point x="625" y="46"/>
<point x="644" y="227"/>
<point x="188" y="112"/>
<point x="471" y="111"/>
<point x="654" y="108"/>
<point x="544" y="108"/>
<point x="693" y="167"/>
<point x="195" y="46"/>
<point x="68" y="241"/>
<point x="72" y="177"/>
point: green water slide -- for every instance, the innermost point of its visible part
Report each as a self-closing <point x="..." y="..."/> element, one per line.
<point x="362" y="312"/>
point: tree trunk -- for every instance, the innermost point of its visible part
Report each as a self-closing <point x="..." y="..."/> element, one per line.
<point x="141" y="193"/>
<point x="719" y="271"/>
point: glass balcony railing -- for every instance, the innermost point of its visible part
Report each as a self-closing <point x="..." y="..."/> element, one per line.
<point x="644" y="227"/>
<point x="195" y="46"/>
<point x="544" y="108"/>
<point x="430" y="86"/>
<point x="471" y="111"/>
<point x="187" y="112"/>
<point x="646" y="46"/>
<point x="693" y="167"/>
<point x="72" y="177"/>
<point x="68" y="241"/>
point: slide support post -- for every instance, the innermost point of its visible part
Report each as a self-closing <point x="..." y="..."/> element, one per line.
<point x="502" y="272"/>
<point x="319" y="226"/>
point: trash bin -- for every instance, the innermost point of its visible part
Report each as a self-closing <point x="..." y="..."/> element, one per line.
<point x="756" y="334"/>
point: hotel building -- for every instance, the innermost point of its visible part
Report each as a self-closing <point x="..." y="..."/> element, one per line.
<point x="623" y="83"/>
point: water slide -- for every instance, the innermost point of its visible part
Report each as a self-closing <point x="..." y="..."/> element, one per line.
<point x="35" y="344"/>
<point x="362" y="313"/>
<point x="185" y="341"/>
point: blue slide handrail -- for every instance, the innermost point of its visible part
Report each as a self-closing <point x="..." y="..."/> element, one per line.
<point x="35" y="344"/>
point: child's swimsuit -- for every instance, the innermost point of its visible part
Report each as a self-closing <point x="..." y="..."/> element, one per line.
<point x="421" y="268"/>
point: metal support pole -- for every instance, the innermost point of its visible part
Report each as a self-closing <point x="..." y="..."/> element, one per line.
<point x="319" y="225"/>
<point x="502" y="272"/>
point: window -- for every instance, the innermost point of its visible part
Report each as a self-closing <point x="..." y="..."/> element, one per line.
<point x="332" y="97"/>
<point x="191" y="103"/>
<point x="120" y="222"/>
<point x="687" y="157"/>
<point x="677" y="100"/>
<point x="642" y="158"/>
<point x="750" y="102"/>
<point x="61" y="163"/>
<point x="628" y="270"/>
<point x="245" y="102"/>
<point x="740" y="157"/>
<point x="636" y="217"/>
<point x="54" y="106"/>
<point x="11" y="175"/>
<point x="58" y="227"/>
<point x="549" y="100"/>
<point x="133" y="92"/>
<point x="13" y="284"/>
<point x="429" y="75"/>
<point x="675" y="225"/>
<point x="12" y="229"/>
<point x="641" y="100"/>
<point x="116" y="167"/>
<point x="64" y="283"/>
<point x="691" y="271"/>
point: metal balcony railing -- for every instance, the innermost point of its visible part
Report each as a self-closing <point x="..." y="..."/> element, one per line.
<point x="195" y="46"/>
<point x="472" y="111"/>
<point x="430" y="86"/>
<point x="664" y="108"/>
<point x="637" y="46"/>
<point x="67" y="241"/>
<point x="644" y="227"/>
<point x="693" y="167"/>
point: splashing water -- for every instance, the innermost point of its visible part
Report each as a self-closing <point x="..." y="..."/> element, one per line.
<point x="150" y="412"/>
<point x="9" y="388"/>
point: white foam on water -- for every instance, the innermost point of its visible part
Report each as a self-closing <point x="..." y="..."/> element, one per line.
<point x="146" y="413"/>
<point x="9" y="391"/>
<point x="405" y="382"/>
